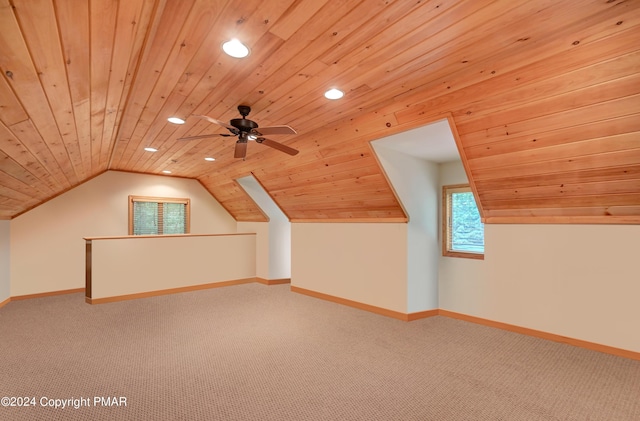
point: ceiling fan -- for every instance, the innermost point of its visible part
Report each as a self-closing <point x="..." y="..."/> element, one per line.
<point x="247" y="130"/>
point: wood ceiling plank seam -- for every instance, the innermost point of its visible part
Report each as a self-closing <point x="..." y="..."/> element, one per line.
<point x="13" y="169"/>
<point x="131" y="30"/>
<point x="488" y="34"/>
<point x="38" y="25"/>
<point x="280" y="172"/>
<point x="362" y="206"/>
<point x="12" y="109"/>
<point x="592" y="76"/>
<point x="613" y="173"/>
<point x="23" y="156"/>
<point x="618" y="108"/>
<point x="374" y="183"/>
<point x="289" y="61"/>
<point x="431" y="55"/>
<point x="102" y="25"/>
<point x="566" y="190"/>
<point x="15" y="191"/>
<point x="458" y="101"/>
<point x="595" y="146"/>
<point x="582" y="212"/>
<point x="16" y="62"/>
<point x="73" y="25"/>
<point x="607" y="220"/>
<point x="387" y="93"/>
<point x="396" y="19"/>
<point x="611" y="90"/>
<point x="169" y="16"/>
<point x="197" y="28"/>
<point x="225" y="206"/>
<point x="507" y="61"/>
<point x="336" y="174"/>
<point x="627" y="199"/>
<point x="300" y="11"/>
<point x="585" y="131"/>
<point x="303" y="62"/>
<point x="603" y="160"/>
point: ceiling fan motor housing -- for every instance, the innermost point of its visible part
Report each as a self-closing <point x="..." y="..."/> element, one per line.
<point x="243" y="124"/>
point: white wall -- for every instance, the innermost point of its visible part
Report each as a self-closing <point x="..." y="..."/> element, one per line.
<point x="261" y="229"/>
<point x="579" y="281"/>
<point x="279" y="232"/>
<point x="416" y="181"/>
<point x="47" y="246"/>
<point x="5" y="274"/>
<point x="363" y="262"/>
<point x="146" y="264"/>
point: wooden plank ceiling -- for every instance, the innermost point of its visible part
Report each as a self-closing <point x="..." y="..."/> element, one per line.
<point x="544" y="95"/>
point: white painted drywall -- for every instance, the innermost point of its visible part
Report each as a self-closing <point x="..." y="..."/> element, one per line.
<point x="47" y="246"/>
<point x="579" y="281"/>
<point x="279" y="233"/>
<point x="363" y="262"/>
<point x="5" y="261"/>
<point x="261" y="229"/>
<point x="415" y="181"/>
<point x="137" y="265"/>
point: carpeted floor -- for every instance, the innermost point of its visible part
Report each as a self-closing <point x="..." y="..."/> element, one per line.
<point x="252" y="352"/>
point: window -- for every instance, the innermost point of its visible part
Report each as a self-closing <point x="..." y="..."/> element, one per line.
<point x="158" y="215"/>
<point x="462" y="229"/>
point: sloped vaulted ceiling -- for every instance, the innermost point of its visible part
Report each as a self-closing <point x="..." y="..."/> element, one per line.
<point x="544" y="96"/>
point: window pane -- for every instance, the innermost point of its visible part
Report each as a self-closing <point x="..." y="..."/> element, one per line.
<point x="145" y="218"/>
<point x="174" y="217"/>
<point x="467" y="231"/>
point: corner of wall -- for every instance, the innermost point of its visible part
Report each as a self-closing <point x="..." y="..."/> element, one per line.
<point x="5" y="261"/>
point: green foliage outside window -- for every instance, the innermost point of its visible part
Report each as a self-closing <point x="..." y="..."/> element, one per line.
<point x="467" y="230"/>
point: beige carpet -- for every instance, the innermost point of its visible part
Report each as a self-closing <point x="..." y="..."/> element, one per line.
<point x="252" y="352"/>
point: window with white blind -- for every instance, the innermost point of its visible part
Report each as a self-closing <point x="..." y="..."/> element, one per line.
<point x="158" y="215"/>
<point x="462" y="229"/>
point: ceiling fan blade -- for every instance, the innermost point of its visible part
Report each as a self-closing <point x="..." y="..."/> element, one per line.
<point x="218" y="122"/>
<point x="278" y="146"/>
<point x="241" y="149"/>
<point x="202" y="136"/>
<point x="269" y="130"/>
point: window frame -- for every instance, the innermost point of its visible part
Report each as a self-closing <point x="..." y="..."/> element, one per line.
<point x="160" y="200"/>
<point x="447" y="216"/>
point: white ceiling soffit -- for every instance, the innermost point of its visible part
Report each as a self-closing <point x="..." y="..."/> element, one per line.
<point x="433" y="142"/>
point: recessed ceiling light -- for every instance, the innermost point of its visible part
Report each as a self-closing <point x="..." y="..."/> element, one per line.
<point x="235" y="48"/>
<point x="209" y="159"/>
<point x="149" y="149"/>
<point x="175" y="120"/>
<point x="166" y="171"/>
<point x="334" y="94"/>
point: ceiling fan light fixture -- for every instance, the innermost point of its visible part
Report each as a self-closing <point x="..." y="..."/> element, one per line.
<point x="235" y="48"/>
<point x="175" y="120"/>
<point x="334" y="94"/>
<point x="252" y="137"/>
<point x="150" y="149"/>
<point x="210" y="159"/>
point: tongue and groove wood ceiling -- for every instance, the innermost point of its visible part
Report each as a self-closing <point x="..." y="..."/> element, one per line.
<point x="543" y="97"/>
